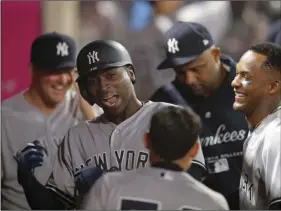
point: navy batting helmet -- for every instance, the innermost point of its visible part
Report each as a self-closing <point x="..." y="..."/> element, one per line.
<point x="99" y="55"/>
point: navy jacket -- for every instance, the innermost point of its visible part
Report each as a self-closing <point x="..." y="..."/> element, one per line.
<point x="224" y="130"/>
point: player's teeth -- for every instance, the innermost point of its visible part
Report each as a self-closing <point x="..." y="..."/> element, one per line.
<point x="239" y="95"/>
<point x="59" y="87"/>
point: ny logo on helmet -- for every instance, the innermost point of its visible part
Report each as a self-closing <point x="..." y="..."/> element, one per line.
<point x="62" y="49"/>
<point x="93" y="57"/>
<point x="173" y="45"/>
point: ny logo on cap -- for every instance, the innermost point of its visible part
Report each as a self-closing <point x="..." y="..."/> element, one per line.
<point x="206" y="42"/>
<point x="173" y="45"/>
<point x="62" y="49"/>
<point x="93" y="57"/>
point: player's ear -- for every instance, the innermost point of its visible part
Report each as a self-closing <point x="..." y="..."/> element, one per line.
<point x="274" y="87"/>
<point x="216" y="52"/>
<point x="74" y="74"/>
<point x="146" y="141"/>
<point x="31" y="68"/>
<point x="131" y="73"/>
<point x="194" y="150"/>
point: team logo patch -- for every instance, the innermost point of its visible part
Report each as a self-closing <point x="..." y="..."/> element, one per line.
<point x="218" y="166"/>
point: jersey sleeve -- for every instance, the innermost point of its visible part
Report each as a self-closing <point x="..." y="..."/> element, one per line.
<point x="96" y="198"/>
<point x="271" y="166"/>
<point x="197" y="169"/>
<point x="199" y="158"/>
<point x="61" y="180"/>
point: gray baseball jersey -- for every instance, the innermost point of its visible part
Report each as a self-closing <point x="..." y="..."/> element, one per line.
<point x="261" y="178"/>
<point x="23" y="123"/>
<point x="104" y="144"/>
<point x="151" y="189"/>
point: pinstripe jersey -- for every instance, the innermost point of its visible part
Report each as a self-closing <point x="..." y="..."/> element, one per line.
<point x="151" y="188"/>
<point x="105" y="144"/>
<point x="261" y="178"/>
<point x="23" y="123"/>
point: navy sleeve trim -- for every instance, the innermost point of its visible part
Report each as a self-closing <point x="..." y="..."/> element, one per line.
<point x="66" y="199"/>
<point x="275" y="204"/>
<point x="196" y="162"/>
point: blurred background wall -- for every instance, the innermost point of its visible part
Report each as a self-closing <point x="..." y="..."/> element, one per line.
<point x="20" y="23"/>
<point x="139" y="26"/>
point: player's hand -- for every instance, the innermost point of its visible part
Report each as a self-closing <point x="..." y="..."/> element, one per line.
<point x="28" y="159"/>
<point x="31" y="156"/>
<point x="74" y="76"/>
<point x="85" y="178"/>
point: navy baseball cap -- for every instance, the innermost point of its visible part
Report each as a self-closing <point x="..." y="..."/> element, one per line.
<point x="184" y="42"/>
<point x="53" y="51"/>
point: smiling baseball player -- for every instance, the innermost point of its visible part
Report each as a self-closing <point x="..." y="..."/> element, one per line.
<point x="113" y="141"/>
<point x="258" y="94"/>
<point x="45" y="112"/>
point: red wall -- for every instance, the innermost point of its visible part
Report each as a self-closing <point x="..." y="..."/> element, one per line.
<point x="21" y="23"/>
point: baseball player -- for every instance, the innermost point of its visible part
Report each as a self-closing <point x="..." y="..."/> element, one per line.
<point x="172" y="144"/>
<point x="203" y="81"/>
<point x="257" y="88"/>
<point x="44" y="112"/>
<point x="112" y="142"/>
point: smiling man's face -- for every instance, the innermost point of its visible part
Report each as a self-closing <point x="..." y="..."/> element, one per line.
<point x="251" y="82"/>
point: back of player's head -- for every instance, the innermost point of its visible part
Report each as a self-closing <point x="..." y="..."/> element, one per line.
<point x="173" y="132"/>
<point x="272" y="52"/>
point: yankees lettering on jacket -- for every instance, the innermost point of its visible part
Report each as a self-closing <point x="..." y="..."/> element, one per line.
<point x="222" y="136"/>
<point x="128" y="159"/>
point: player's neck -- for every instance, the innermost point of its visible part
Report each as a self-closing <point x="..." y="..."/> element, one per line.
<point x="34" y="98"/>
<point x="223" y="73"/>
<point x="261" y="112"/>
<point x="133" y="106"/>
<point x="184" y="163"/>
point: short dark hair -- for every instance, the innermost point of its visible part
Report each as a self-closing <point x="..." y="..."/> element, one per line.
<point x="173" y="131"/>
<point x="272" y="52"/>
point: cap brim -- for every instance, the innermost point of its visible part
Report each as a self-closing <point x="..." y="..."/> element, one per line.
<point x="166" y="64"/>
<point x="174" y="62"/>
<point x="66" y="65"/>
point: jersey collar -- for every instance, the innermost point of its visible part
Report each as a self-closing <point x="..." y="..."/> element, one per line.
<point x="167" y="165"/>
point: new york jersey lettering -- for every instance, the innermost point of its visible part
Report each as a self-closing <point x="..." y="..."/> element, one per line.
<point x="125" y="159"/>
